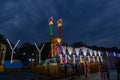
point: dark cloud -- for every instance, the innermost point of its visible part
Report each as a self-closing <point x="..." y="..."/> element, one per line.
<point x="96" y="22"/>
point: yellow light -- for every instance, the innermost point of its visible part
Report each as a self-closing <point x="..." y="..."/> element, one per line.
<point x="59" y="40"/>
<point x="59" y="22"/>
<point x="50" y="23"/>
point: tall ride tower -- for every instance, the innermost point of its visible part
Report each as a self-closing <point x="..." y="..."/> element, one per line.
<point x="55" y="41"/>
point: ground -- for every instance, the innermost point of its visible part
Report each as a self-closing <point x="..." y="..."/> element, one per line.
<point x="34" y="76"/>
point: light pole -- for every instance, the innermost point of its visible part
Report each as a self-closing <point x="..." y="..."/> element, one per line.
<point x="59" y="23"/>
<point x="50" y="23"/>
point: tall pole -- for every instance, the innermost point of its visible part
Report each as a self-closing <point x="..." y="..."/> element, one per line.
<point x="50" y="22"/>
<point x="59" y="24"/>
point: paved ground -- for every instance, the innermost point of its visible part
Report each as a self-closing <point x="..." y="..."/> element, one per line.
<point x="31" y="76"/>
<point x="95" y="76"/>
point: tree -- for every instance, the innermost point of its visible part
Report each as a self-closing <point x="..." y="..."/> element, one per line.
<point x="27" y="48"/>
<point x="46" y="50"/>
<point x="78" y="44"/>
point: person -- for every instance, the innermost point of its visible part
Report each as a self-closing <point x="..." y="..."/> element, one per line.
<point x="68" y="69"/>
<point x="101" y="71"/>
<point x="75" y="68"/>
<point x="118" y="69"/>
<point x="86" y="69"/>
<point x="65" y="69"/>
<point x="106" y="70"/>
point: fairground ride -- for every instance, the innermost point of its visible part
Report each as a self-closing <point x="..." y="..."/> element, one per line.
<point x="56" y="42"/>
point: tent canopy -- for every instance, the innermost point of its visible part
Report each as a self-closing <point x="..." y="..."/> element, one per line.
<point x="16" y="64"/>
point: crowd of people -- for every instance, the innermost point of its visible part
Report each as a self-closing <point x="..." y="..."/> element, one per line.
<point x="118" y="68"/>
<point x="103" y="68"/>
<point x="103" y="71"/>
<point x="71" y="68"/>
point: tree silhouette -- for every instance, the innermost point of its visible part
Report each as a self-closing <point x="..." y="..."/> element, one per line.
<point x="78" y="44"/>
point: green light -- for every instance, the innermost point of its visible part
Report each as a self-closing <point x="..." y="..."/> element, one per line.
<point x="51" y="31"/>
<point x="106" y="53"/>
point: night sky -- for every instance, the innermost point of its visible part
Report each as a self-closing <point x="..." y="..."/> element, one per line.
<point x="95" y="22"/>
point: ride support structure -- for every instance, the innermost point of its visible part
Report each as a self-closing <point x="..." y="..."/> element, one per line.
<point x="56" y="42"/>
